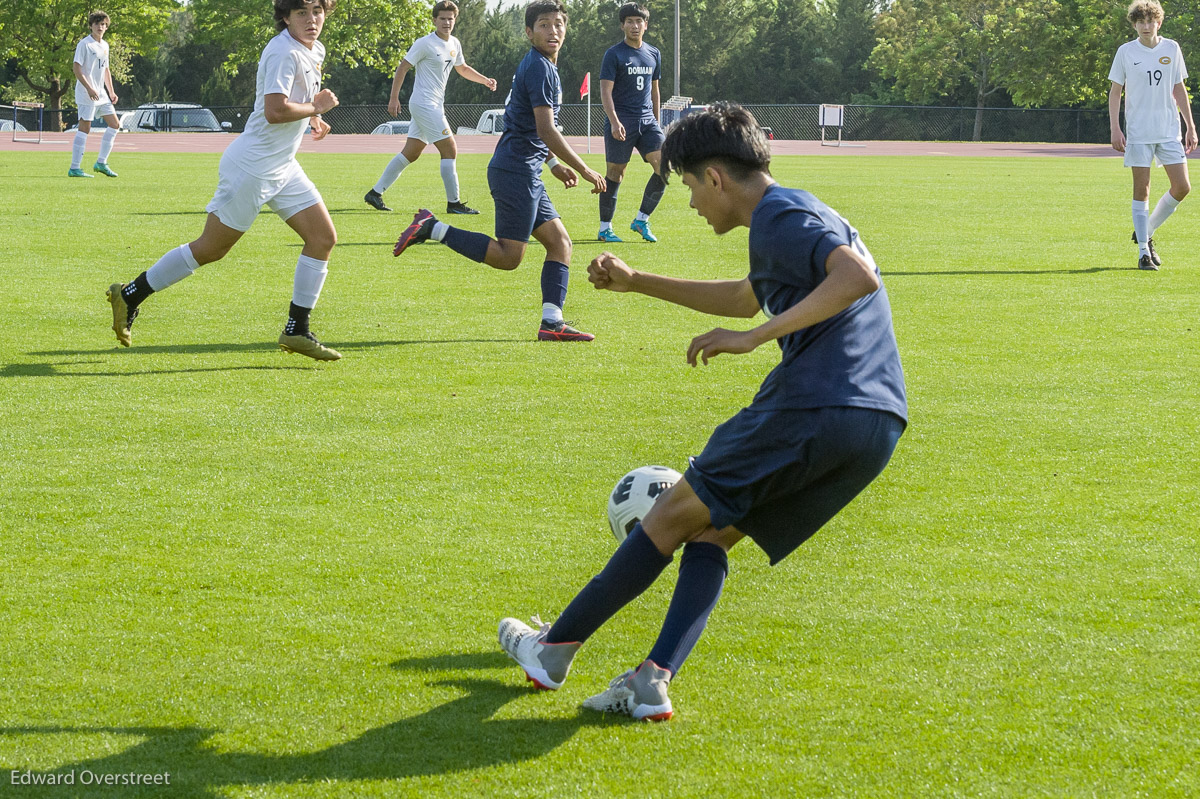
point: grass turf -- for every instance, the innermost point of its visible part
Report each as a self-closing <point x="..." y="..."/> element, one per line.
<point x="270" y="577"/>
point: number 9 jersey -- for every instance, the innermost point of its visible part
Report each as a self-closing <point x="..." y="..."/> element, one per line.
<point x="1149" y="75"/>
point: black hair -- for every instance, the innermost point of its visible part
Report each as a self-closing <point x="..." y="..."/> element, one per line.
<point x="284" y="9"/>
<point x="726" y="133"/>
<point x="633" y="10"/>
<point x="539" y="7"/>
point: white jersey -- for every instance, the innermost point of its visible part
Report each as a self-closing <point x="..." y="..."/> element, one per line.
<point x="286" y="67"/>
<point x="432" y="60"/>
<point x="1149" y="75"/>
<point x="92" y="56"/>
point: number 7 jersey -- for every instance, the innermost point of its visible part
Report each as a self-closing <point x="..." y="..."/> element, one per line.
<point x="1149" y="75"/>
<point x="432" y="60"/>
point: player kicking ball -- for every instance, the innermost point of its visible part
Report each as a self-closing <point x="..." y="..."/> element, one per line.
<point x="94" y="96"/>
<point x="629" y="77"/>
<point x="1150" y="71"/>
<point x="820" y="429"/>
<point x="259" y="168"/>
<point x="431" y="57"/>
<point x="523" y="207"/>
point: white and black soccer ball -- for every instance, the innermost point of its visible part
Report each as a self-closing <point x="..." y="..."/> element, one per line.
<point x="635" y="494"/>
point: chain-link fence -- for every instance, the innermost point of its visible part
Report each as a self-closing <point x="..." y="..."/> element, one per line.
<point x="861" y="122"/>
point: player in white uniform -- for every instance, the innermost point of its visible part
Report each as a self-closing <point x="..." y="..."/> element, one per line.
<point x="94" y="95"/>
<point x="1150" y="71"/>
<point x="432" y="58"/>
<point x="259" y="168"/>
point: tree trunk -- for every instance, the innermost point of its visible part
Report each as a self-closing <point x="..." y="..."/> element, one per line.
<point x="981" y="94"/>
<point x="55" y="97"/>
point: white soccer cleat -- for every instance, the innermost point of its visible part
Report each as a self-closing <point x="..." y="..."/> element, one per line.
<point x="545" y="665"/>
<point x="640" y="694"/>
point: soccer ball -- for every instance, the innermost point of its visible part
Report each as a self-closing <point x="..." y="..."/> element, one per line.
<point x="635" y="494"/>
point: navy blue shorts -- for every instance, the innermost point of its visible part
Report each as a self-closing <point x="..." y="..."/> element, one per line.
<point x="522" y="204"/>
<point x="646" y="136"/>
<point x="779" y="475"/>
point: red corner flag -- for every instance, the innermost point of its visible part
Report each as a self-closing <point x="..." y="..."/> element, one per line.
<point x="586" y="88"/>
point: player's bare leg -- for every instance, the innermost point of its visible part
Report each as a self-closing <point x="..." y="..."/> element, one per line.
<point x="316" y="229"/>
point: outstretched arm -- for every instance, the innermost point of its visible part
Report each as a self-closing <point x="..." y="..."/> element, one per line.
<point x="544" y="116"/>
<point x="470" y="73"/>
<point x="716" y="297"/>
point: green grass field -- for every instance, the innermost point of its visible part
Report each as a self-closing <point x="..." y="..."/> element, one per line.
<point x="270" y="577"/>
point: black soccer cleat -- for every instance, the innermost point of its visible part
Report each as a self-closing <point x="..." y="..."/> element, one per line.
<point x="459" y="208"/>
<point x="561" y="331"/>
<point x="1153" y="252"/>
<point x="419" y="231"/>
<point x="1145" y="262"/>
<point x="375" y="200"/>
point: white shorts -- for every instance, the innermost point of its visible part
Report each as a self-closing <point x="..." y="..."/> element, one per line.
<point x="240" y="195"/>
<point x="89" y="110"/>
<point x="1165" y="152"/>
<point x="428" y="124"/>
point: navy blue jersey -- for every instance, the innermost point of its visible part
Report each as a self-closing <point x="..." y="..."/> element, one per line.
<point x="632" y="71"/>
<point x="536" y="83"/>
<point x="851" y="358"/>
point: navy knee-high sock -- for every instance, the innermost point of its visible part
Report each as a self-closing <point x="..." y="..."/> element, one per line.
<point x="653" y="193"/>
<point x="554" y="283"/>
<point x="608" y="200"/>
<point x="469" y="243"/>
<point x="631" y="570"/>
<point x="702" y="570"/>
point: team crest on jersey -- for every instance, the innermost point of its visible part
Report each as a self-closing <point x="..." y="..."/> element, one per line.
<point x="1165" y="60"/>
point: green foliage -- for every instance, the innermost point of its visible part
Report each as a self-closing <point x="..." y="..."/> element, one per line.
<point x="274" y="578"/>
<point x="41" y="37"/>
<point x="372" y="33"/>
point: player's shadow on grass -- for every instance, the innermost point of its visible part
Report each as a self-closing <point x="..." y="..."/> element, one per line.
<point x="55" y="369"/>
<point x="266" y="347"/>
<point x="975" y="272"/>
<point x="458" y="736"/>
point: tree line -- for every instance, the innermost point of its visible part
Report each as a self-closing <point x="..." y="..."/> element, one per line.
<point x="973" y="53"/>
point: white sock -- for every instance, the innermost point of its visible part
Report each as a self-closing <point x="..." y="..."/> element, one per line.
<point x="605" y="226"/>
<point x="450" y="178"/>
<point x="551" y="312"/>
<point x="439" y="231"/>
<point x="643" y="217"/>
<point x="1166" y="206"/>
<point x="391" y="172"/>
<point x="1141" y="224"/>
<point x="310" y="277"/>
<point x="106" y="145"/>
<point x="172" y="268"/>
<point x="78" y="145"/>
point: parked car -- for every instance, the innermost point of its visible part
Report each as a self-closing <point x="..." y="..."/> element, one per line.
<point x="491" y="123"/>
<point x="173" y="117"/>
<point x="6" y="125"/>
<point x="395" y="127"/>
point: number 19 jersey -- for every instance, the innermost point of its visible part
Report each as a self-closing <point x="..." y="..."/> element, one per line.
<point x="1149" y="75"/>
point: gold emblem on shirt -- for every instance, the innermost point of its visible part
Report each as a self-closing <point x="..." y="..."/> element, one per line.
<point x="1165" y="60"/>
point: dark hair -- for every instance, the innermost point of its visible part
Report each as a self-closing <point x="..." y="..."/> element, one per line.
<point x="633" y="10"/>
<point x="539" y="7"/>
<point x="443" y="5"/>
<point x="726" y="133"/>
<point x="284" y="8"/>
<point x="97" y="16"/>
